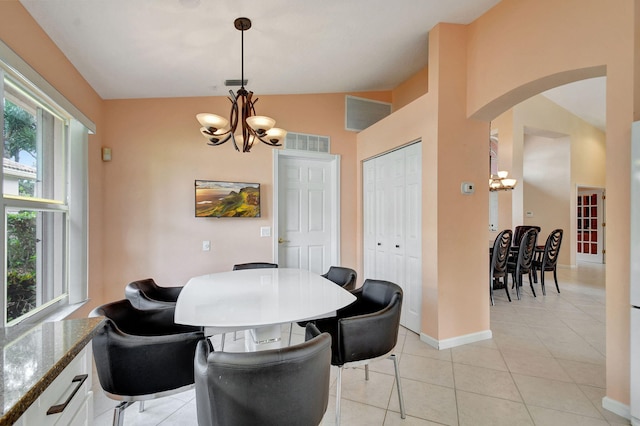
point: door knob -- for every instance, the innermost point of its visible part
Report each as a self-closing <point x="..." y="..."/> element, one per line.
<point x="282" y="240"/>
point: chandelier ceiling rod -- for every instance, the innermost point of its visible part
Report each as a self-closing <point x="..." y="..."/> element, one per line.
<point x="219" y="130"/>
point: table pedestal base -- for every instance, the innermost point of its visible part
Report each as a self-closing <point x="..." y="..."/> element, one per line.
<point x="258" y="339"/>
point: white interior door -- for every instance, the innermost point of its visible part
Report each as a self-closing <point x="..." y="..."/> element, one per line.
<point x="307" y="211"/>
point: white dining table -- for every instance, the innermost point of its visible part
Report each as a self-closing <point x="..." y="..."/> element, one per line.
<point x="258" y="301"/>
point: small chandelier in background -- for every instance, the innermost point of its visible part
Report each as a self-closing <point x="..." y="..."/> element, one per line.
<point x="500" y="182"/>
<point x="218" y="129"/>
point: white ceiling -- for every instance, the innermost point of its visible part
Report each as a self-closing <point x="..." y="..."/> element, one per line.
<point x="172" y="48"/>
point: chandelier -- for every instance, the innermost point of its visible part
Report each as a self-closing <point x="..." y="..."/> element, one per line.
<point x="500" y="182"/>
<point x="219" y="130"/>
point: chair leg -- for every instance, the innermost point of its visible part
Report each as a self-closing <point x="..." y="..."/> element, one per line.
<point x="506" y="287"/>
<point x="555" y="278"/>
<point x="491" y="291"/>
<point x="222" y="344"/>
<point x="516" y="284"/>
<point x="290" y="333"/>
<point x="366" y="371"/>
<point x="338" y="392"/>
<point x="531" y="285"/>
<point x="399" y="386"/>
<point x="544" y="291"/>
<point x="141" y="407"/>
<point x="118" y="413"/>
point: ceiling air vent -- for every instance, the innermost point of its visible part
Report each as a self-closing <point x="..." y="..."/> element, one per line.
<point x="309" y="143"/>
<point x="361" y="113"/>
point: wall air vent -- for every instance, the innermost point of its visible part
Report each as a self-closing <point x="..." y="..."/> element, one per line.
<point x="309" y="143"/>
<point x="361" y="113"/>
<point x="236" y="82"/>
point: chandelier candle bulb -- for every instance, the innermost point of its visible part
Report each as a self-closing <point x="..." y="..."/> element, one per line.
<point x="260" y="123"/>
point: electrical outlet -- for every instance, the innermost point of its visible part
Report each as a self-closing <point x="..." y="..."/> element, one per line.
<point x="265" y="231"/>
<point x="206" y="245"/>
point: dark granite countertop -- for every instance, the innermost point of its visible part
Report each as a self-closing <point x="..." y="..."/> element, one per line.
<point x="33" y="356"/>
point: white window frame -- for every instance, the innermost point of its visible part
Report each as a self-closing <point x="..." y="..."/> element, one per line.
<point x="75" y="204"/>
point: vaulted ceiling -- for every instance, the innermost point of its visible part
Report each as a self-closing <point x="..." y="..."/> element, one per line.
<point x="171" y="48"/>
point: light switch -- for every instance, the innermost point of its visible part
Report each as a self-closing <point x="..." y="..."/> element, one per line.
<point x="265" y="231"/>
<point x="106" y="153"/>
<point x="206" y="245"/>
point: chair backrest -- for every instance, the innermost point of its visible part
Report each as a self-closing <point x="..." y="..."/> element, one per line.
<point x="146" y="294"/>
<point x="344" y="277"/>
<point x="526" y="250"/>
<point x="519" y="232"/>
<point x="286" y="386"/>
<point x="373" y="331"/>
<point x="254" y="265"/>
<point x="500" y="252"/>
<point x="552" y="249"/>
<point x="139" y="322"/>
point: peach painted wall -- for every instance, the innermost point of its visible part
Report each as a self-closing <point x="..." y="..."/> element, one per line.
<point x="503" y="127"/>
<point x="21" y="33"/>
<point x="547" y="188"/>
<point x="451" y="146"/>
<point x="158" y="152"/>
<point x="411" y="89"/>
<point x="587" y="158"/>
<point x="519" y="49"/>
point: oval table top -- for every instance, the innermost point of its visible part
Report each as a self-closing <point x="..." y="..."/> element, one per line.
<point x="253" y="298"/>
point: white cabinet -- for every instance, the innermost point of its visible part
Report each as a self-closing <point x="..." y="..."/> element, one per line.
<point x="392" y="209"/>
<point x="71" y="390"/>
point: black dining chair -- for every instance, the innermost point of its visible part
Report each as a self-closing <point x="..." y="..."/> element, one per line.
<point x="498" y="267"/>
<point x="142" y="354"/>
<point x="146" y="294"/>
<point x="521" y="264"/>
<point x="344" y="277"/>
<point x="254" y="265"/>
<point x="546" y="260"/>
<point x="278" y="387"/>
<point x="366" y="331"/>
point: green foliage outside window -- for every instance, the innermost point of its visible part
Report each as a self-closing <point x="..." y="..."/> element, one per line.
<point x="19" y="136"/>
<point x="21" y="263"/>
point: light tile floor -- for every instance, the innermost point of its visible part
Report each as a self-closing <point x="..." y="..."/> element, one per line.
<point x="545" y="365"/>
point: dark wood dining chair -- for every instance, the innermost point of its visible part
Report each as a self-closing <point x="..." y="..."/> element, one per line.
<point x="522" y="263"/>
<point x="518" y="233"/>
<point x="498" y="267"/>
<point x="546" y="260"/>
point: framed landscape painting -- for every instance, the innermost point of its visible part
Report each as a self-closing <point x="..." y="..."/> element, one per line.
<point x="227" y="199"/>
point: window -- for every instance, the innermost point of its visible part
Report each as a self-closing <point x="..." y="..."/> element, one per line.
<point x="43" y="203"/>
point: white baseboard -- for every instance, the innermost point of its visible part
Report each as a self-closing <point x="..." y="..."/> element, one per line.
<point x="616" y="407"/>
<point x="456" y="341"/>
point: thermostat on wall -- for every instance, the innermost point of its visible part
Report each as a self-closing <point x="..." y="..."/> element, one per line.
<point x="467" y="188"/>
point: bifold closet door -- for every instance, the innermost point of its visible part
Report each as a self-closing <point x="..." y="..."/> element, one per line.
<point x="392" y="225"/>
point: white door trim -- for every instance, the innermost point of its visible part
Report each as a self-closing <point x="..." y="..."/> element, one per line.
<point x="334" y="161"/>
